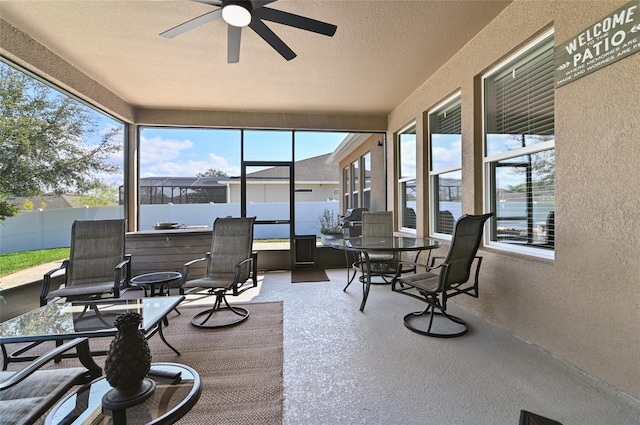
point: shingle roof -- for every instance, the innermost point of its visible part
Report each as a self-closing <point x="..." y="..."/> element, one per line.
<point x="313" y="169"/>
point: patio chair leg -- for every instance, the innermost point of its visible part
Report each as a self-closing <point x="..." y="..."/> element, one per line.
<point x="242" y="312"/>
<point x="448" y="326"/>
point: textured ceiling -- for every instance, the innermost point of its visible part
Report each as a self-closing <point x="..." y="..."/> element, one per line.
<point x="382" y="51"/>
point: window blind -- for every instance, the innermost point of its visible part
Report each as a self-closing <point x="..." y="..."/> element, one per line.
<point x="520" y="99"/>
<point x="448" y="121"/>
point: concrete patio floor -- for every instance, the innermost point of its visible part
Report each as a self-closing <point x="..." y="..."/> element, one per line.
<point x="342" y="366"/>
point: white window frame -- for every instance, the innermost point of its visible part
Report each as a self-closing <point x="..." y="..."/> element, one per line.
<point x="434" y="173"/>
<point x="488" y="160"/>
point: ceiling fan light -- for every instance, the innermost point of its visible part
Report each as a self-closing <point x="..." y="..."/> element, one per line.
<point x="236" y="15"/>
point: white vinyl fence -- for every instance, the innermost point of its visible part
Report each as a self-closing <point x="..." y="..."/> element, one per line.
<point x="43" y="229"/>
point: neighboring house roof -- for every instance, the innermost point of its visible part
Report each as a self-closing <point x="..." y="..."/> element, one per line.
<point x="313" y="169"/>
<point x="48" y="201"/>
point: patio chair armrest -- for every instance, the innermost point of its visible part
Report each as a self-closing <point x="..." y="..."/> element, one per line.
<point x="477" y="273"/>
<point x="126" y="263"/>
<point x="414" y="265"/>
<point x="64" y="265"/>
<point x="185" y="270"/>
<point x="239" y="266"/>
<point x="198" y="260"/>
<point x="82" y="346"/>
<point x="46" y="281"/>
<point x="123" y="263"/>
<point x="121" y="280"/>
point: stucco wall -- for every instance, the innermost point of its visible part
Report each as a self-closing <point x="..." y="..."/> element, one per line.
<point x="583" y="307"/>
<point x="378" y="196"/>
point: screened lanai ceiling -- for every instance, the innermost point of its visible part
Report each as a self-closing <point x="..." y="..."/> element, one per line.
<point x="382" y="51"/>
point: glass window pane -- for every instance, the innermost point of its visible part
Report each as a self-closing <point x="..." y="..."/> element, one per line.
<point x="446" y="151"/>
<point x="188" y="175"/>
<point x="407" y="153"/>
<point x="525" y="199"/>
<point x="407" y="178"/>
<point x="355" y="172"/>
<point x="347" y="187"/>
<point x="52" y="144"/>
<point x="519" y="105"/>
<point x="366" y="199"/>
<point x="408" y="205"/>
<point x="316" y="143"/>
<point x="519" y="101"/>
<point x="445" y="127"/>
<point x="448" y="201"/>
<point x="268" y="145"/>
<point x="366" y="165"/>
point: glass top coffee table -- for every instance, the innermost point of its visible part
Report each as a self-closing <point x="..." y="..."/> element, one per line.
<point x="178" y="389"/>
<point x="92" y="319"/>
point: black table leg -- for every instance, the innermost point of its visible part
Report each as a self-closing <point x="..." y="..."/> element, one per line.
<point x="163" y="338"/>
<point x="367" y="283"/>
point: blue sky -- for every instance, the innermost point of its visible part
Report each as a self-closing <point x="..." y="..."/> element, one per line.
<point x="186" y="152"/>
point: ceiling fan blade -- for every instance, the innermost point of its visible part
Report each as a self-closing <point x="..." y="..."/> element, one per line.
<point x="270" y="37"/>
<point x="259" y="3"/>
<point x="296" y="21"/>
<point x="234" y="35"/>
<point x="193" y="23"/>
<point x="211" y="2"/>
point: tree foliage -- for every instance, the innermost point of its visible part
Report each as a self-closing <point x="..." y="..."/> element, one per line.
<point x="212" y="172"/>
<point x="7" y="209"/>
<point x="101" y="197"/>
<point x="48" y="140"/>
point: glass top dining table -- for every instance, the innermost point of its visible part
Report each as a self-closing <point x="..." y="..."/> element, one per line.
<point x="366" y="246"/>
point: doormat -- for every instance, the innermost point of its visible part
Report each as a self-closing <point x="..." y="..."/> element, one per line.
<point x="308" y="275"/>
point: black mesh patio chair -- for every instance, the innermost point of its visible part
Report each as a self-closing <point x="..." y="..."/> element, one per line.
<point x="230" y="265"/>
<point x="97" y="263"/>
<point x="377" y="224"/>
<point x="445" y="222"/>
<point x="451" y="277"/>
<point x="26" y="394"/>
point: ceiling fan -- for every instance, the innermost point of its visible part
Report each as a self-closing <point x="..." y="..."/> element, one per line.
<point x="251" y="13"/>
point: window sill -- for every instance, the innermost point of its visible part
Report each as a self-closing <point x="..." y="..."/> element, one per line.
<point x="526" y="253"/>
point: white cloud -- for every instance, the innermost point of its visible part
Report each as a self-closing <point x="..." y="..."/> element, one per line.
<point x="166" y="157"/>
<point x="158" y="150"/>
<point x="221" y="163"/>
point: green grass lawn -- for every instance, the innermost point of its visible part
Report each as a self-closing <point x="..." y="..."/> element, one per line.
<point x="16" y="261"/>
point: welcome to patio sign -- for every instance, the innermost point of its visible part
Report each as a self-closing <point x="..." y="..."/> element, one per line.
<point x="606" y="41"/>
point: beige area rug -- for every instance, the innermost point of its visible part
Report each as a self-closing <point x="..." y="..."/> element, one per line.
<point x="241" y="367"/>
